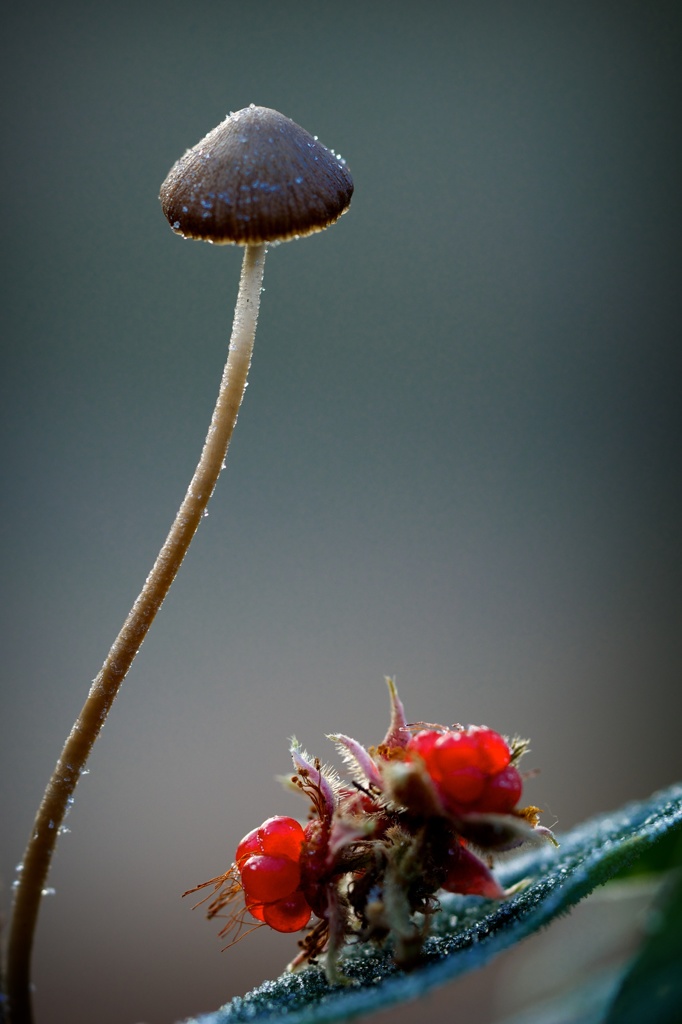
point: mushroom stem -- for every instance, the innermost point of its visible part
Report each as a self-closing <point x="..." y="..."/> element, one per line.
<point x="58" y="795"/>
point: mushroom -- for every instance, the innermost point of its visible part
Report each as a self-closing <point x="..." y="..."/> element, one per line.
<point x="257" y="178"/>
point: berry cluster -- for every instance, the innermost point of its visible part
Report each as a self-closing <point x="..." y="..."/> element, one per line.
<point x="471" y="769"/>
<point x="425" y="810"/>
<point x="268" y="861"/>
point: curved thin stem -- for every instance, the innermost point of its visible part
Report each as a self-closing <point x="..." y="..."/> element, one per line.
<point x="104" y="688"/>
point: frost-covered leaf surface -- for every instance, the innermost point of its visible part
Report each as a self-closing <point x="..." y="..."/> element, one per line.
<point x="469" y="931"/>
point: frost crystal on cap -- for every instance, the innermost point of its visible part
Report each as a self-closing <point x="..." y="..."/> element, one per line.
<point x="257" y="177"/>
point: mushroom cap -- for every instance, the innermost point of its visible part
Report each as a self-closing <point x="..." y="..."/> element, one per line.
<point x="257" y="177"/>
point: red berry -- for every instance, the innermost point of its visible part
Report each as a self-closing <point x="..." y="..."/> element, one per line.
<point x="501" y="792"/>
<point x="453" y="763"/>
<point x="422" y="742"/>
<point x="452" y="752"/>
<point x="282" y="836"/>
<point x="266" y="878"/>
<point x="493" y="751"/>
<point x="248" y="846"/>
<point x="256" y="909"/>
<point x="463" y="786"/>
<point x="461" y="761"/>
<point x="289" y="914"/>
<point x="279" y="836"/>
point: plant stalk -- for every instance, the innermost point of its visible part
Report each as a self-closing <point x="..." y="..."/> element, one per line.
<point x="59" y="792"/>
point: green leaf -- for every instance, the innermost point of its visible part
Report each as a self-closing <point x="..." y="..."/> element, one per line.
<point x="652" y="988"/>
<point x="469" y="931"/>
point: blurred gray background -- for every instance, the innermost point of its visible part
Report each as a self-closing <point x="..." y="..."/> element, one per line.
<point x="457" y="461"/>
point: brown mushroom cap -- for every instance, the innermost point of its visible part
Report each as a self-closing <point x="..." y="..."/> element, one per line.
<point x="257" y="177"/>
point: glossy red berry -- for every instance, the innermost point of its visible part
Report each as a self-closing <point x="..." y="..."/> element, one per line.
<point x="249" y="846"/>
<point x="422" y="743"/>
<point x="493" y="750"/>
<point x="452" y="752"/>
<point x="289" y="914"/>
<point x="268" y="860"/>
<point x="279" y="836"/>
<point x="501" y="792"/>
<point x="462" y="786"/>
<point x="256" y="910"/>
<point x="470" y="768"/>
<point x="266" y="878"/>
